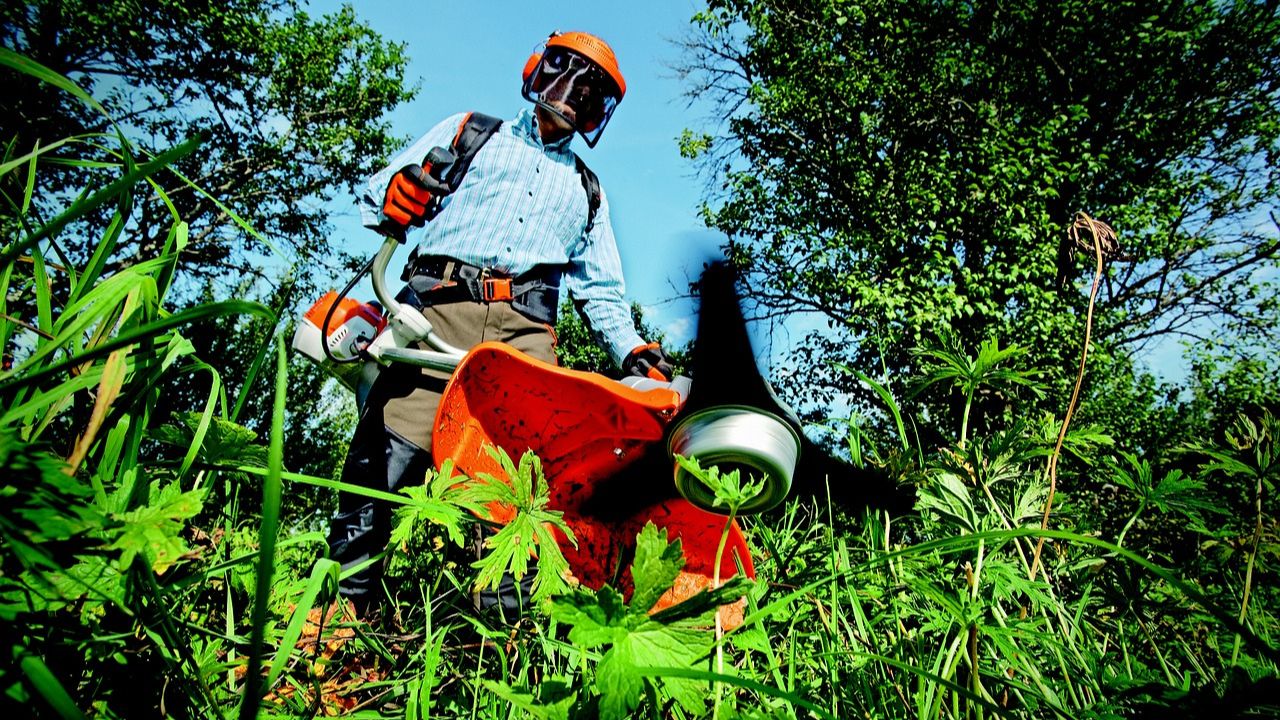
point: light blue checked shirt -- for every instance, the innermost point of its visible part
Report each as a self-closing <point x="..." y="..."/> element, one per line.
<point x="522" y="204"/>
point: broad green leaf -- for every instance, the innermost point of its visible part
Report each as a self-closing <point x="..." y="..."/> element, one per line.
<point x="548" y="700"/>
<point x="652" y="644"/>
<point x="597" y="619"/>
<point x="655" y="568"/>
<point x="528" y="535"/>
<point x="635" y="638"/>
<point x="153" y="530"/>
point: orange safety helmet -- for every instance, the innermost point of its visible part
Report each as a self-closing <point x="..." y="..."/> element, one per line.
<point x="575" y="75"/>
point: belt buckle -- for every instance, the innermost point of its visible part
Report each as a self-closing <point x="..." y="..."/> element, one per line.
<point x="494" y="289"/>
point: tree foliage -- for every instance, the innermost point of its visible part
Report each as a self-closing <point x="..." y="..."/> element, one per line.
<point x="577" y="349"/>
<point x="290" y="107"/>
<point x="906" y="169"/>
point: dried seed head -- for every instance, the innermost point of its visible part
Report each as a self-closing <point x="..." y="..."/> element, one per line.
<point x="1108" y="245"/>
<point x="1098" y="231"/>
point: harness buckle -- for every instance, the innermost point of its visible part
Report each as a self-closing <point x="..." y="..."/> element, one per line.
<point x="496" y="289"/>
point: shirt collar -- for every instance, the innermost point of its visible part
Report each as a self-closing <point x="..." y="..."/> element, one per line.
<point x="526" y="126"/>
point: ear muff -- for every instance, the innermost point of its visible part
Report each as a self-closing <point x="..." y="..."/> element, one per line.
<point x="530" y="65"/>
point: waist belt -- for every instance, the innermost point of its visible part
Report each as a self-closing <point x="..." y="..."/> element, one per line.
<point x="438" y="280"/>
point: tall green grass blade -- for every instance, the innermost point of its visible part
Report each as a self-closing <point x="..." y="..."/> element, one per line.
<point x="970" y="541"/>
<point x="28" y="190"/>
<point x="239" y="221"/>
<point x="26" y="65"/>
<point x="175" y="242"/>
<point x="331" y="484"/>
<point x="93" y="270"/>
<point x="889" y="402"/>
<point x="11" y="381"/>
<point x="263" y="353"/>
<point x="112" y="190"/>
<point x="109" y="458"/>
<point x="47" y="685"/>
<point x="27" y="409"/>
<point x="267" y="536"/>
<point x="320" y="586"/>
<point x="102" y="308"/>
<point x="44" y="297"/>
<point x="31" y="159"/>
<point x="105" y="298"/>
<point x="206" y="416"/>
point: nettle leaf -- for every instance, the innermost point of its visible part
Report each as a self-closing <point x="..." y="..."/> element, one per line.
<point x="438" y="502"/>
<point x="529" y="534"/>
<point x="225" y="443"/>
<point x="651" y="645"/>
<point x="549" y="700"/>
<point x="153" y="530"/>
<point x="636" y="640"/>
<point x="39" y="502"/>
<point x="93" y="579"/>
<point x="597" y="618"/>
<point x="656" y="565"/>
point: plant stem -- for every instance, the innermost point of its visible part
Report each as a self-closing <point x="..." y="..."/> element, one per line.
<point x="1123" y="531"/>
<point x="1095" y="230"/>
<point x="715" y="583"/>
<point x="1248" y="574"/>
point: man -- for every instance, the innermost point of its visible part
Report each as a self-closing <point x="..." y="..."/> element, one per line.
<point x="494" y="253"/>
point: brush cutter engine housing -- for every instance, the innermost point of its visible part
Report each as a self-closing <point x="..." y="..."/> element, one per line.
<point x="352" y="327"/>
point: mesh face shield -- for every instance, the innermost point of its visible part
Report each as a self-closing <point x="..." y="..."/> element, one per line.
<point x="574" y="88"/>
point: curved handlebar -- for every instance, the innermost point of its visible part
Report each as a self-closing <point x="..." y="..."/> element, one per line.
<point x="406" y="322"/>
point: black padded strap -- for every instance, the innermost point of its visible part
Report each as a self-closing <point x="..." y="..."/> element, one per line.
<point x="473" y="133"/>
<point x="591" y="184"/>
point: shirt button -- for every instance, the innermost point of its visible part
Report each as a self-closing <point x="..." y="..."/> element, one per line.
<point x="519" y="219"/>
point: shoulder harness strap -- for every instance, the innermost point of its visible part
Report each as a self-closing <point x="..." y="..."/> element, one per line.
<point x="591" y="184"/>
<point x="476" y="129"/>
<point x="473" y="132"/>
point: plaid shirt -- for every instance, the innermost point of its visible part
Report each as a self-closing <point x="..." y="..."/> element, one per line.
<point x="522" y="204"/>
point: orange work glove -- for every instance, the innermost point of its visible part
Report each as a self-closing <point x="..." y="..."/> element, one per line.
<point x="648" y="361"/>
<point x="412" y="197"/>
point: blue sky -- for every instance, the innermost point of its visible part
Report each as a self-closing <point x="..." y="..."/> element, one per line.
<point x="468" y="58"/>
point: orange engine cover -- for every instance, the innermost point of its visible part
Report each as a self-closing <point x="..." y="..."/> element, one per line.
<point x="588" y="431"/>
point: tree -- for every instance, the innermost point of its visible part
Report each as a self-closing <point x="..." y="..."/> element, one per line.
<point x="577" y="349"/>
<point x="908" y="169"/>
<point x="290" y="108"/>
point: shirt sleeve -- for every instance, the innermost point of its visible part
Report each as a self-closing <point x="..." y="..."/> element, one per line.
<point x="370" y="201"/>
<point x="594" y="278"/>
